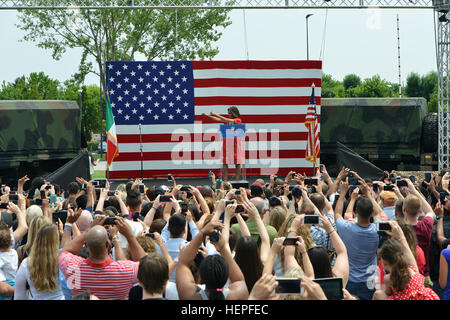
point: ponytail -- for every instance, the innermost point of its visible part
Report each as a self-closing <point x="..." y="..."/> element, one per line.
<point x="216" y="294"/>
<point x="214" y="272"/>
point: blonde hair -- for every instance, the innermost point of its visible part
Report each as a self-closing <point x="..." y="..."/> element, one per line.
<point x="147" y="243"/>
<point x="303" y="231"/>
<point x="412" y="205"/>
<point x="36" y="224"/>
<point x="277" y="217"/>
<point x="32" y="212"/>
<point x="293" y="273"/>
<point x="43" y="260"/>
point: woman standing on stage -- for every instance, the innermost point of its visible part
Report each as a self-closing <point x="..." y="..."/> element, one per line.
<point x="236" y="155"/>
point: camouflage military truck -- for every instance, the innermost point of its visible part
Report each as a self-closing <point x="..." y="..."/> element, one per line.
<point x="392" y="133"/>
<point x="37" y="137"/>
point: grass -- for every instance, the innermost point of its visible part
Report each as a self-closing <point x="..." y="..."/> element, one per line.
<point x="97" y="156"/>
<point x="99" y="174"/>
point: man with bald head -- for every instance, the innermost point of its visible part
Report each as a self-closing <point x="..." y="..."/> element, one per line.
<point x="262" y="207"/>
<point x="104" y="277"/>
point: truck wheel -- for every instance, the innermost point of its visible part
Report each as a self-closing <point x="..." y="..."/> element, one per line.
<point x="430" y="133"/>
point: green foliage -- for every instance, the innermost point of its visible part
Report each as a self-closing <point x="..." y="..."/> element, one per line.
<point x="37" y="86"/>
<point x="112" y="35"/>
<point x="373" y="87"/>
<point x="351" y="81"/>
<point x="424" y="86"/>
<point x="329" y="86"/>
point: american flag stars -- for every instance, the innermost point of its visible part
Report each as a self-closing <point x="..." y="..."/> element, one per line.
<point x="151" y="93"/>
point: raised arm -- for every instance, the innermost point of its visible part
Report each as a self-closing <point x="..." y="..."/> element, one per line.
<point x="440" y="236"/>
<point x="186" y="285"/>
<point x="425" y="205"/>
<point x="203" y="205"/>
<point x="265" y="240"/>
<point x="237" y="288"/>
<point x="341" y="266"/>
<point x="125" y="229"/>
<point x="22" y="226"/>
<point x="289" y="252"/>
<point x="159" y="240"/>
<point x="397" y="234"/>
<point x="148" y="220"/>
<point x="338" y="212"/>
<point x="275" y="250"/>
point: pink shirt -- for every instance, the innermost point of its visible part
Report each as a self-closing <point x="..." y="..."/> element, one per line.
<point x="109" y="280"/>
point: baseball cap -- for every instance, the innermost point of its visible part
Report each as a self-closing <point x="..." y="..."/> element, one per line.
<point x="388" y="195"/>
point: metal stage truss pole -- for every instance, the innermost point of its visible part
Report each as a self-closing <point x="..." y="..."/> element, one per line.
<point x="442" y="20"/>
<point x="214" y="4"/>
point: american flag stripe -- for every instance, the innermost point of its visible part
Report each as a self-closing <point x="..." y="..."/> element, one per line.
<point x="270" y="95"/>
<point x="255" y="83"/>
<point x="167" y="138"/>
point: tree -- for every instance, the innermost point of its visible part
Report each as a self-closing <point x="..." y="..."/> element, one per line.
<point x="421" y="86"/>
<point x="351" y="81"/>
<point x="37" y="86"/>
<point x="372" y="87"/>
<point x="90" y="116"/>
<point x="329" y="86"/>
<point x="124" y="34"/>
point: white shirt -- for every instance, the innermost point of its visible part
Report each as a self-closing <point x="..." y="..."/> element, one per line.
<point x="23" y="276"/>
<point x="8" y="265"/>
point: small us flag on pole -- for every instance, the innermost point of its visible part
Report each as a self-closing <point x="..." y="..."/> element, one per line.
<point x="312" y="145"/>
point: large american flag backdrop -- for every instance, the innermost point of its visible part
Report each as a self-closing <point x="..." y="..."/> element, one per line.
<point x="165" y="101"/>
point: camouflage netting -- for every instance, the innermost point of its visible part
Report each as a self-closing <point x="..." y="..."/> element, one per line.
<point x="32" y="130"/>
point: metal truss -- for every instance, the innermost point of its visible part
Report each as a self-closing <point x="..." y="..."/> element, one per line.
<point x="443" y="56"/>
<point x="441" y="8"/>
<point x="215" y="4"/>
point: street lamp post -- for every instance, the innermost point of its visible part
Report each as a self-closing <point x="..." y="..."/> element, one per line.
<point x="307" y="40"/>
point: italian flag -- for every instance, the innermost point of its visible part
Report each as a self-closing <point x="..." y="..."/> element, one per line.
<point x="111" y="136"/>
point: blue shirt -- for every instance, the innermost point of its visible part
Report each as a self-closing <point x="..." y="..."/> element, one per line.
<point x="446" y="254"/>
<point x="390" y="213"/>
<point x="362" y="245"/>
<point x="173" y="244"/>
<point x="320" y="236"/>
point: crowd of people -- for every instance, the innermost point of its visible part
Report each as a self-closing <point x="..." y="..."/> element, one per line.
<point x="290" y="238"/>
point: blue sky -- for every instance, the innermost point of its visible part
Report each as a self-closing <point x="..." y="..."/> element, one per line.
<point x="361" y="41"/>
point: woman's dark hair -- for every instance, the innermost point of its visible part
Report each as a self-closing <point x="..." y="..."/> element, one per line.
<point x="214" y="272"/>
<point x="36" y="183"/>
<point x="346" y="202"/>
<point x="233" y="239"/>
<point x="320" y="262"/>
<point x="114" y="203"/>
<point x="235" y="111"/>
<point x="392" y="252"/>
<point x="248" y="259"/>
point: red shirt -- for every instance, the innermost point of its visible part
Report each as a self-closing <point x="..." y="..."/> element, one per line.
<point x="423" y="230"/>
<point x="415" y="290"/>
<point x="109" y="280"/>
<point x="420" y="260"/>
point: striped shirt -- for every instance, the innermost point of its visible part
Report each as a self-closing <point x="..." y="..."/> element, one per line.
<point x="108" y="280"/>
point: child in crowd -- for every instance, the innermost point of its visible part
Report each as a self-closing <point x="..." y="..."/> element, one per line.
<point x="8" y="259"/>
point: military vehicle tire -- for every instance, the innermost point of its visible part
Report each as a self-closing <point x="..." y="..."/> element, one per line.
<point x="430" y="133"/>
